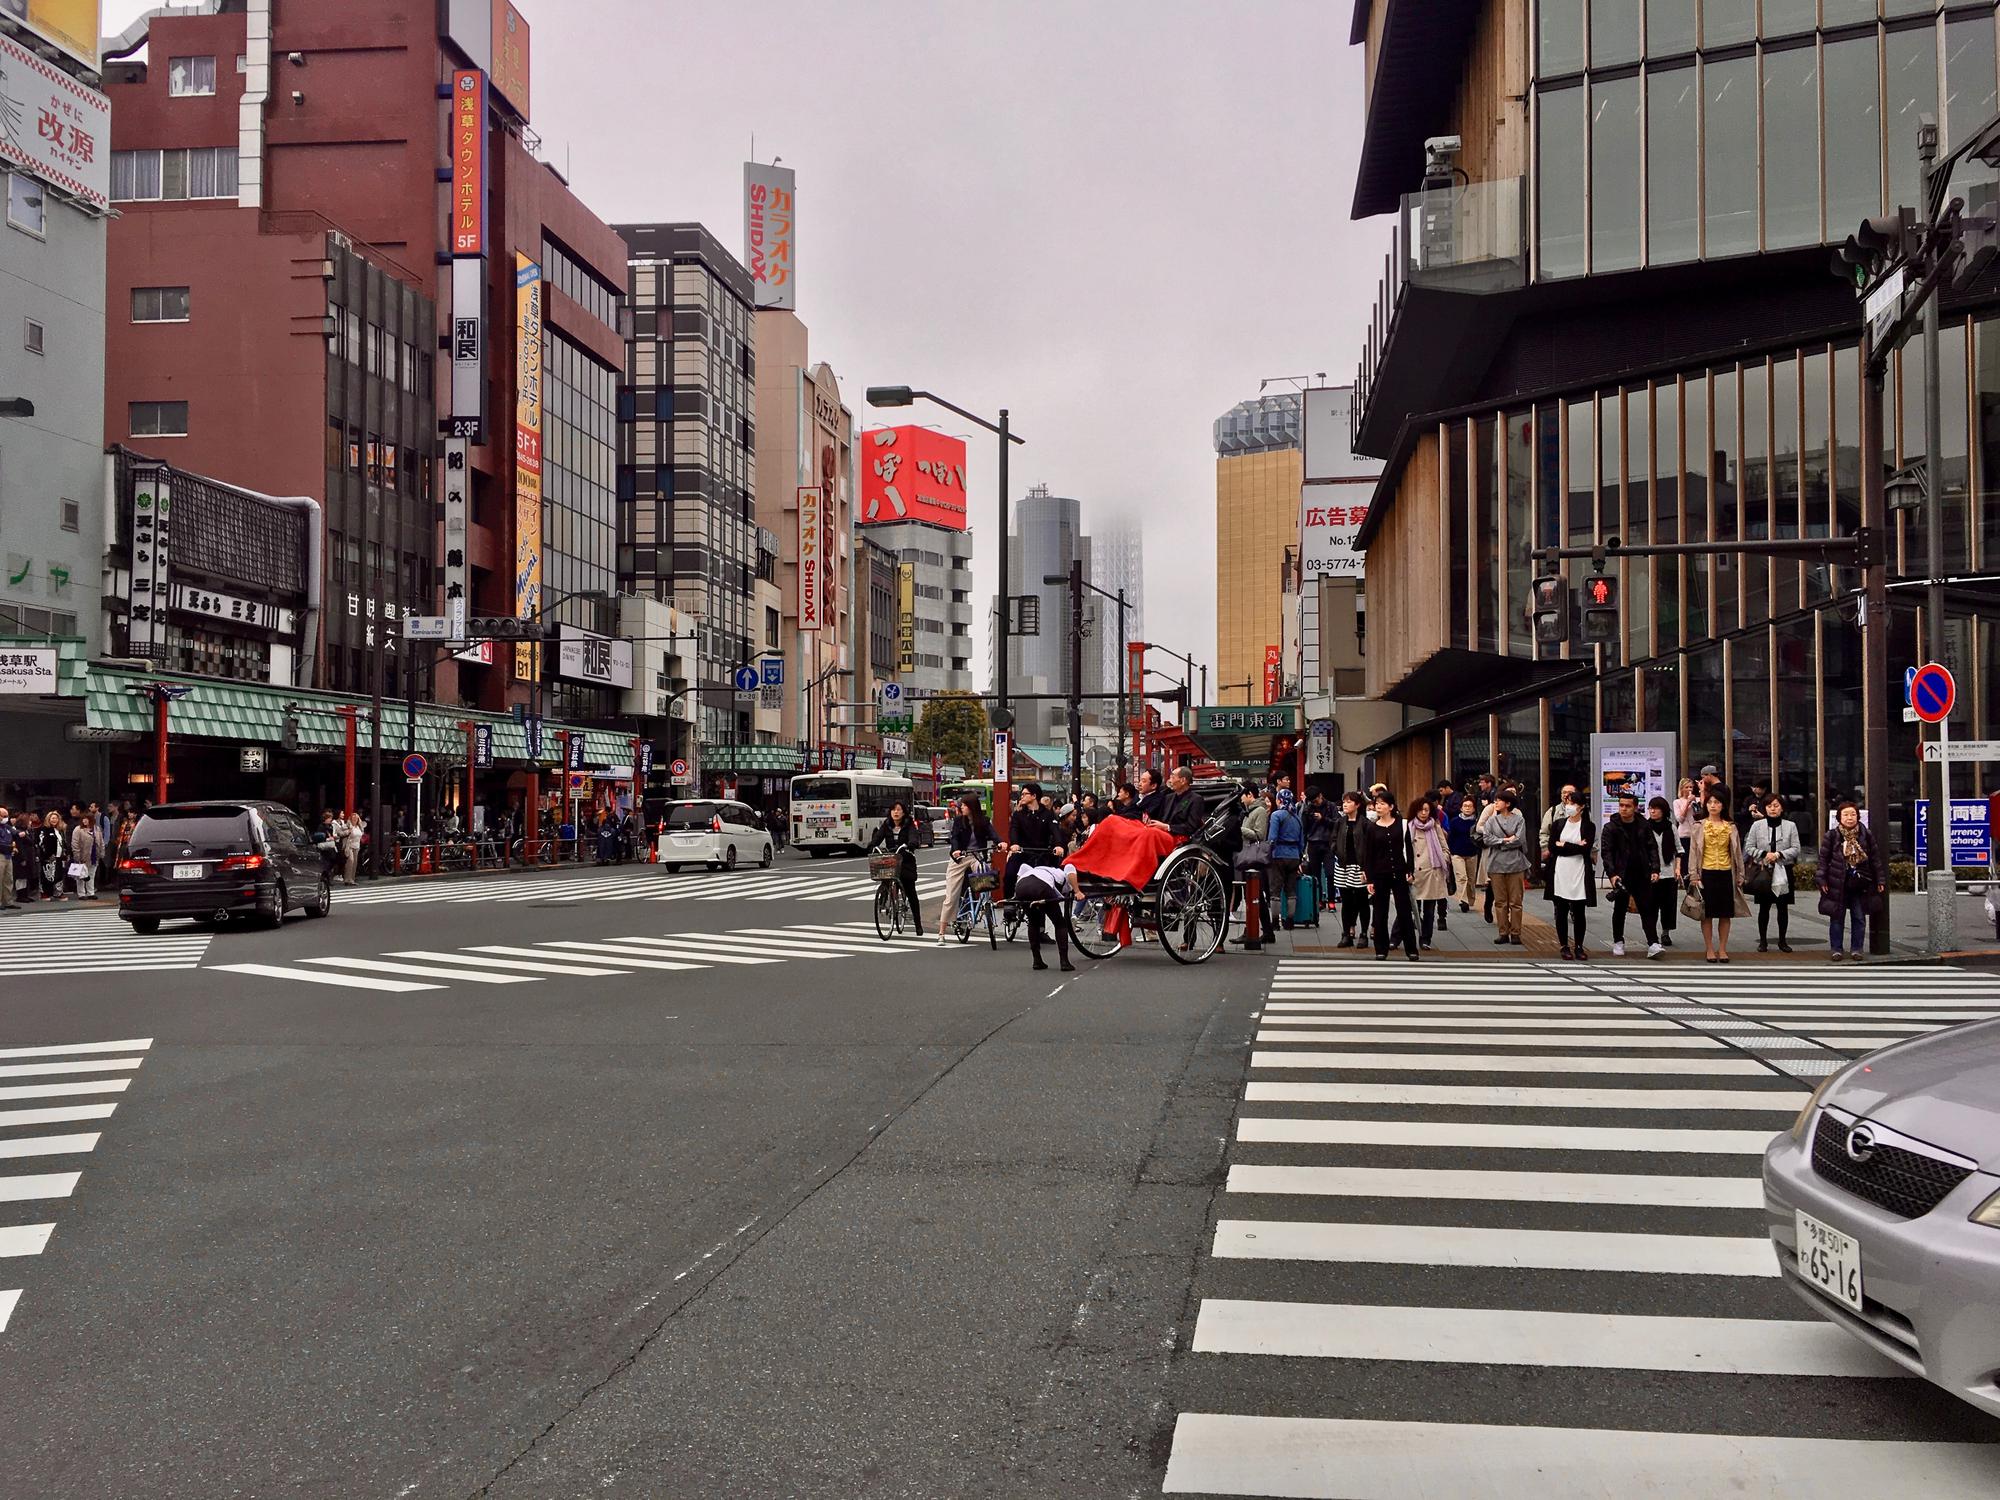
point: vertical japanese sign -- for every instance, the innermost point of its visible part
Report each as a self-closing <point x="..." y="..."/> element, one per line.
<point x="468" y="349"/>
<point x="54" y="126"/>
<point x="906" y="617"/>
<point x="812" y="562"/>
<point x="770" y="235"/>
<point x="457" y="492"/>
<point x="510" y="56"/>
<point x="527" y="457"/>
<point x="1274" y="673"/>
<point x="468" y="162"/>
<point x="152" y="549"/>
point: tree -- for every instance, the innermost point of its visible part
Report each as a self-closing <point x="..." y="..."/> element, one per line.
<point x="953" y="728"/>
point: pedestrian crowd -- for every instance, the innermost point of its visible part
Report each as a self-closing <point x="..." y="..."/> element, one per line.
<point x="57" y="856"/>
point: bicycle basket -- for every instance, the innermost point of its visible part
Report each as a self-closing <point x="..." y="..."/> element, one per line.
<point x="884" y="866"/>
<point x="982" y="881"/>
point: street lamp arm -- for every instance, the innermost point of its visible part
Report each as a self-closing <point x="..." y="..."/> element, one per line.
<point x="992" y="427"/>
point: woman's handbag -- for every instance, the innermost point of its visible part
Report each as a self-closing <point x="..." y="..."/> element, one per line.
<point x="1740" y="907"/>
<point x="1758" y="882"/>
<point x="78" y="870"/>
<point x="1692" y="906"/>
<point x="1255" y="854"/>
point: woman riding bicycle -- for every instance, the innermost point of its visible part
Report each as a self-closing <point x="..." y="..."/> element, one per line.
<point x="898" y="836"/>
<point x="971" y="840"/>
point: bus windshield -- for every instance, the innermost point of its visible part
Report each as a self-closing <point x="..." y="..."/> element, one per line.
<point x="820" y="789"/>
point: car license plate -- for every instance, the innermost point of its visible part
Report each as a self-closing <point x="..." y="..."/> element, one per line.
<point x="187" y="872"/>
<point x="1830" y="1260"/>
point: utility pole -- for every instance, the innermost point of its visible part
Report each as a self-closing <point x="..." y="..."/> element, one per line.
<point x="1875" y="611"/>
<point x="1123" y="692"/>
<point x="1076" y="677"/>
<point x="1940" y="881"/>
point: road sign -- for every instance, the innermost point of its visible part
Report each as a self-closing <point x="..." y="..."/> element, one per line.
<point x="678" y="769"/>
<point x="892" y="692"/>
<point x="771" y="697"/>
<point x="774" y="671"/>
<point x="745" y="678"/>
<point x="896" y="746"/>
<point x="1933" y="692"/>
<point x="414" y="766"/>
<point x="1882" y="304"/>
<point x="1909" y="676"/>
<point x="1961" y="750"/>
<point x="579" y="785"/>
<point x="426" y="628"/>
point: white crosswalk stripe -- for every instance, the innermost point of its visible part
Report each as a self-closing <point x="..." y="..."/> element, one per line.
<point x="95" y="941"/>
<point x="1541" y="1180"/>
<point x="407" y="971"/>
<point x="634" y="883"/>
<point x="28" y="1197"/>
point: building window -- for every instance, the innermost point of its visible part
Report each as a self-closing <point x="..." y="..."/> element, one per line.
<point x="1731" y="210"/>
<point x="1853" y="134"/>
<point x="1673" y="199"/>
<point x="190" y="75"/>
<point x="1669" y="27"/>
<point x="1614" y="175"/>
<point x="174" y="175"/>
<point x="71" y="514"/>
<point x="27" y="205"/>
<point x="1560" y="177"/>
<point x="31" y="338"/>
<point x="159" y="304"/>
<point x="1791" y="147"/>
<point x="159" y="419"/>
<point x="1559" y="38"/>
<point x="1614" y="32"/>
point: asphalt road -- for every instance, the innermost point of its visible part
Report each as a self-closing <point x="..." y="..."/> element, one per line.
<point x="849" y="1221"/>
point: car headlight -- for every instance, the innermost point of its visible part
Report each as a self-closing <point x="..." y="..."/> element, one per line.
<point x="1988" y="1213"/>
<point x="1806" y="1114"/>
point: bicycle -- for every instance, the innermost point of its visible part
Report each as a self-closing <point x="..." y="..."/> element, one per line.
<point x="975" y="905"/>
<point x="892" y="906"/>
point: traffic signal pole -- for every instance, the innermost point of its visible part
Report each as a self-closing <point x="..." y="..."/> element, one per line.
<point x="1940" y="881"/>
<point x="1875" y="610"/>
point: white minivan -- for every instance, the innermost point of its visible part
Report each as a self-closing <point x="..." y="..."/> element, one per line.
<point x="713" y="832"/>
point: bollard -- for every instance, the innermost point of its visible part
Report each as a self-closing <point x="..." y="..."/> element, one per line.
<point x="1253" y="899"/>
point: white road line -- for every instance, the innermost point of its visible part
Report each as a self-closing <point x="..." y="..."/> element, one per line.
<point x="1501" y="1137"/>
<point x="1780" y="1101"/>
<point x="94" y="1065"/>
<point x="24" y="1239"/>
<point x="855" y="944"/>
<point x="511" y="965"/>
<point x="1306" y="1009"/>
<point x="420" y="971"/>
<point x="689" y="947"/>
<point x="48" y="1145"/>
<point x="1883" y="1023"/>
<point x="626" y="958"/>
<point x="1499" y="1187"/>
<point x="38" y="1186"/>
<point x="1494" y="1023"/>
<point x="1553" y="1340"/>
<point x="1444" y="1062"/>
<point x="310" y="976"/>
<point x="1317" y="1458"/>
<point x="1493" y="1038"/>
<point x="1463" y="1245"/>
<point x="7" y="1301"/>
<point x="66" y="1090"/>
<point x="1857" y="1043"/>
<point x="56" y="1116"/>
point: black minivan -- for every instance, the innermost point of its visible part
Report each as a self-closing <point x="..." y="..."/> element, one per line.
<point x="222" y="861"/>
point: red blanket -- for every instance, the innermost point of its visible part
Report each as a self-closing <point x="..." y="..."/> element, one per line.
<point x="1124" y="849"/>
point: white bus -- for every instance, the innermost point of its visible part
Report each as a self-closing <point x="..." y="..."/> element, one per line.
<point x="842" y="809"/>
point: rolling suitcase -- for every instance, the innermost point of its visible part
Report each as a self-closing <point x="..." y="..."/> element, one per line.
<point x="1305" y="901"/>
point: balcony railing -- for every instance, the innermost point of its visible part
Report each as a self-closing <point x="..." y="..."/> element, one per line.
<point x="1455" y="237"/>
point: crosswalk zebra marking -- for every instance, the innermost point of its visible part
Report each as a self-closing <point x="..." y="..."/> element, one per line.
<point x="309" y="976"/>
<point x="1628" y="1022"/>
<point x="24" y="1239"/>
<point x="1469" y="1185"/>
<point x="626" y="959"/>
<point x="38" y="1186"/>
<point x="97" y="1065"/>
<point x="48" y="1145"/>
<point x="670" y="948"/>
<point x="419" y="971"/>
<point x="59" y="1116"/>
<point x="1440" y="1062"/>
<point x="1479" y="1135"/>
<point x="1467" y="1245"/>
<point x="1508" y="1336"/>
<point x="1495" y="1039"/>
<point x="1782" y="1101"/>
<point x="65" y="1090"/>
<point x="1321" y="1458"/>
<point x="96" y="942"/>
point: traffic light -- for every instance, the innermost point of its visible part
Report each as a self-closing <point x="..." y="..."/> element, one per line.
<point x="1876" y="245"/>
<point x="288" y="735"/>
<point x="1551" y="609"/>
<point x="503" y="628"/>
<point x="1978" y="231"/>
<point x="1600" y="608"/>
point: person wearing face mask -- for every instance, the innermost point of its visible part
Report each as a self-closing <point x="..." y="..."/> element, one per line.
<point x="1572" y="883"/>
<point x="1769" y="853"/>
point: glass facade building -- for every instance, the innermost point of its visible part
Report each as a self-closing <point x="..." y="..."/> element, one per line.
<point x="686" y="463"/>
<point x="1677" y="366"/>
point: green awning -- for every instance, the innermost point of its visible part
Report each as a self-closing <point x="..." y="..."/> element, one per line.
<point x="254" y="713"/>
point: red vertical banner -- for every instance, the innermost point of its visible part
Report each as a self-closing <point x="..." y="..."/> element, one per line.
<point x="468" y="162"/>
<point x="1274" y="673"/>
<point x="1135" y="689"/>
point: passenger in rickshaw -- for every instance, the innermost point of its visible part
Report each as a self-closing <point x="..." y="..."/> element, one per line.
<point x="1129" y="850"/>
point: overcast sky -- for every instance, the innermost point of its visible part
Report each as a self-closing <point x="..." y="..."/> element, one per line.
<point x="1113" y="217"/>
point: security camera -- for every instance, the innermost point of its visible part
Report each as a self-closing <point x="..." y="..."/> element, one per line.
<point x="298" y="96"/>
<point x="1443" y="145"/>
<point x="1441" y="157"/>
<point x="296" y="59"/>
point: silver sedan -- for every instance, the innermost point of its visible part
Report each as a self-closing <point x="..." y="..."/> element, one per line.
<point x="1883" y="1203"/>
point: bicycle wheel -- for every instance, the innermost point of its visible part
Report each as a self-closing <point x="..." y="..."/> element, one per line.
<point x="1193" y="908"/>
<point x="992" y="927"/>
<point x="1015" y="917"/>
<point x="961" y="920"/>
<point x="888" y="909"/>
<point x="1086" y="917"/>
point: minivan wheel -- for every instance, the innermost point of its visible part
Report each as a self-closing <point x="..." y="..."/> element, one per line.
<point x="671" y="869"/>
<point x="145" y="926"/>
<point x="765" y="862"/>
<point x="277" y="918"/>
<point x="729" y="858"/>
<point x="322" y="900"/>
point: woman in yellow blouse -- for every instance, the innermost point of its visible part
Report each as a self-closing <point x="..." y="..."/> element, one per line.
<point x="1717" y="857"/>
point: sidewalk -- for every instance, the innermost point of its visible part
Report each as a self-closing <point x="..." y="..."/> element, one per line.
<point x="1470" y="936"/>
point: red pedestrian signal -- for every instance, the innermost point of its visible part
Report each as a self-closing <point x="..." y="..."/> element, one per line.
<point x="1600" y="608"/>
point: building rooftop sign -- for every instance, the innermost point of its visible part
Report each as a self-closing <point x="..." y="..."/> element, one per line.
<point x="54" y="127"/>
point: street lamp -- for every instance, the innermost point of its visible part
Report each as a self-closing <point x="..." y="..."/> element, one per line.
<point x="903" y="395"/>
<point x="815" y="723"/>
<point x="1222" y="687"/>
<point x="1077" y="581"/>
<point x="16" y="406"/>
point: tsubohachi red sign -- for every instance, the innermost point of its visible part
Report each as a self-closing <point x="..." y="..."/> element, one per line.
<point x="913" y="474"/>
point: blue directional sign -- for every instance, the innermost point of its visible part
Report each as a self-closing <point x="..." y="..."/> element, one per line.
<point x="774" y="671"/>
<point x="745" y="679"/>
<point x="1909" y="676"/>
<point x="1971" y="833"/>
<point x="892" y="692"/>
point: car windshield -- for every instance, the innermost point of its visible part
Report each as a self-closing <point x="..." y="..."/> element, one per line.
<point x="690" y="815"/>
<point x="206" y="830"/>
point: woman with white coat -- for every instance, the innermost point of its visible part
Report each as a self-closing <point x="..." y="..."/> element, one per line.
<point x="1769" y="852"/>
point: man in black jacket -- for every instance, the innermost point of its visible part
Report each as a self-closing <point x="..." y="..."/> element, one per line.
<point x="1032" y="832"/>
<point x="1182" y="812"/>
<point x="1631" y="864"/>
<point x="1152" y="796"/>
